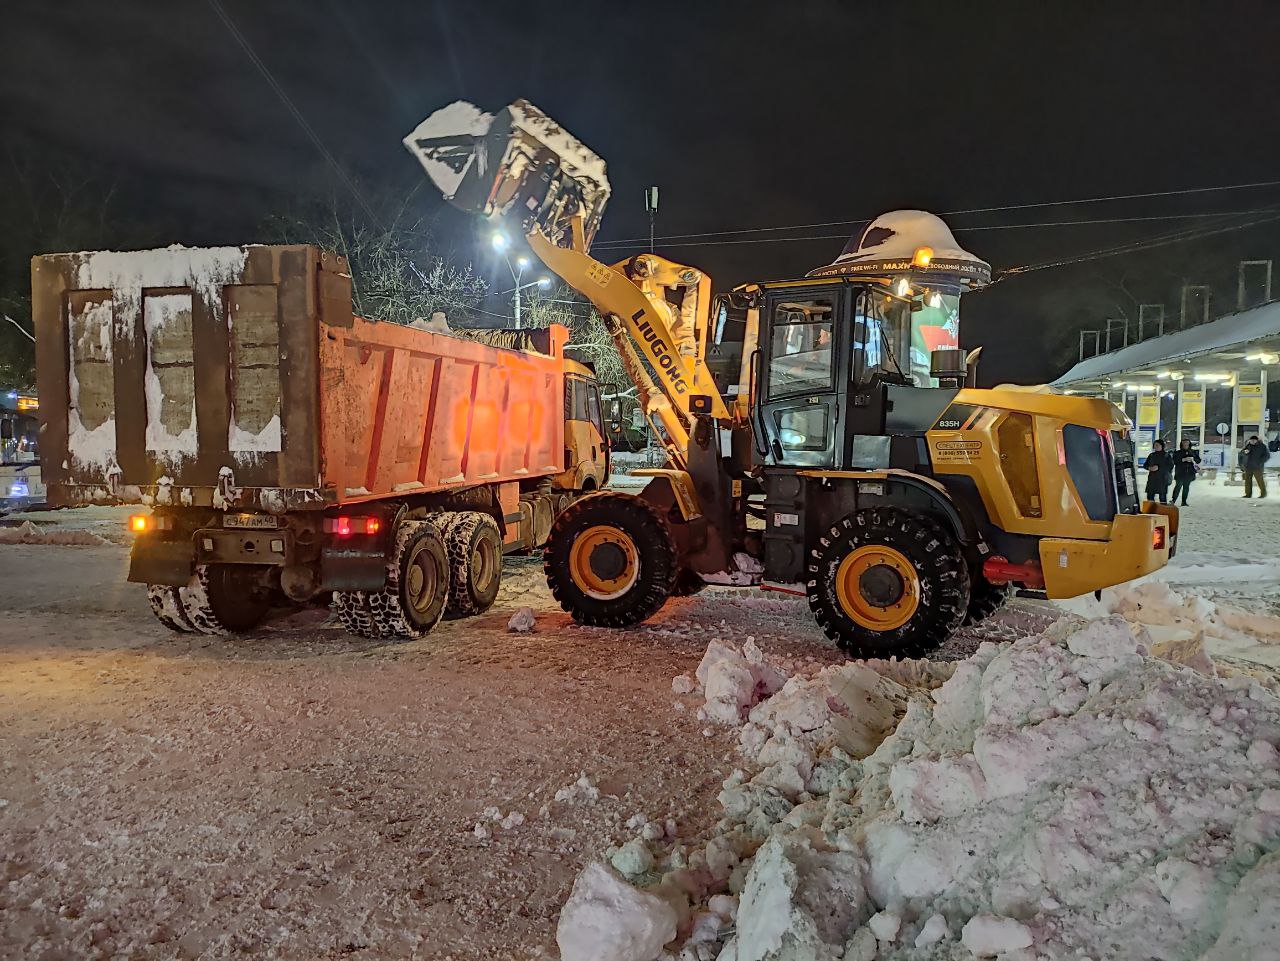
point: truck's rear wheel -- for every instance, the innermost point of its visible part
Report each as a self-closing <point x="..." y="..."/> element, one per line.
<point x="610" y="560"/>
<point x="166" y="605"/>
<point x="887" y="582"/>
<point x="474" y="544"/>
<point x="417" y="588"/>
<point x="226" y="598"/>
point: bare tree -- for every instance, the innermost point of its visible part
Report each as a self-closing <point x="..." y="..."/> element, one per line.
<point x="395" y="274"/>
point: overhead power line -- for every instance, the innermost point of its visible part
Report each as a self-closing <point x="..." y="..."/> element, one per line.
<point x="1034" y="225"/>
<point x="1160" y="240"/>
<point x="280" y="92"/>
<point x="958" y="213"/>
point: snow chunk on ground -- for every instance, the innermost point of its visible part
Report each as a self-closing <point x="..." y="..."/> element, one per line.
<point x="799" y="901"/>
<point x="734" y="679"/>
<point x="987" y="935"/>
<point x="522" y="621"/>
<point x="606" y="919"/>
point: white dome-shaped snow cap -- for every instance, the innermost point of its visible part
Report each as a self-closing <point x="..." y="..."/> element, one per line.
<point x="912" y="242"/>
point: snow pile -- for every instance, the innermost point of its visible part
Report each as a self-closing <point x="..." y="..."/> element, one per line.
<point x="28" y="533"/>
<point x="522" y="621"/>
<point x="1066" y="796"/>
<point x="1187" y="628"/>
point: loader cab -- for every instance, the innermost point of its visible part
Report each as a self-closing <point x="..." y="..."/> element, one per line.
<point x="835" y="390"/>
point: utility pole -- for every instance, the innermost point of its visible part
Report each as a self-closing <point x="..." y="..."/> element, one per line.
<point x="651" y="205"/>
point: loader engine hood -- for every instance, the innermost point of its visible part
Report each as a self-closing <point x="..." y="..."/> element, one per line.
<point x="516" y="163"/>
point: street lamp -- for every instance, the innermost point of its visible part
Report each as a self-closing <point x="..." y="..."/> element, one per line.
<point x="500" y="244"/>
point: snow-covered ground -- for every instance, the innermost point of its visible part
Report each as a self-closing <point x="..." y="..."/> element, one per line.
<point x="301" y="794"/>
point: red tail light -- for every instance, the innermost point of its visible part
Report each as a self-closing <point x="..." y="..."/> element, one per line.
<point x="1158" y="539"/>
<point x="347" y="526"/>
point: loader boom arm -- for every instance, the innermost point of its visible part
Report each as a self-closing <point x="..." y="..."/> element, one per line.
<point x="632" y="296"/>
<point x="519" y="165"/>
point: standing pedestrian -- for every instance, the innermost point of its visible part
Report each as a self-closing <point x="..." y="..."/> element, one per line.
<point x="1186" y="463"/>
<point x="1159" y="467"/>
<point x="1252" y="456"/>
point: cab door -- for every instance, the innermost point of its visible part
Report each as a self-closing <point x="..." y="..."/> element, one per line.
<point x="797" y="411"/>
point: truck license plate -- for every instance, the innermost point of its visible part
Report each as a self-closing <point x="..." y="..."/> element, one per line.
<point x="251" y="521"/>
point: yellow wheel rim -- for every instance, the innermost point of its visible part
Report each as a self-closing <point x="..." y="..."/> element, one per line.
<point x="604" y="562"/>
<point x="878" y="587"/>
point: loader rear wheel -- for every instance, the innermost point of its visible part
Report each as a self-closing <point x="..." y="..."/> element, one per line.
<point x="226" y="598"/>
<point x="474" y="544"/>
<point x="985" y="599"/>
<point x="416" y="592"/>
<point x="887" y="582"/>
<point x="166" y="605"/>
<point x="610" y="560"/>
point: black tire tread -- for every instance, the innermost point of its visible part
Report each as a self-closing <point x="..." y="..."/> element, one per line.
<point x="659" y="566"/>
<point x="459" y="533"/>
<point x="201" y="606"/>
<point x="985" y="599"/>
<point x="944" y="577"/>
<point x="381" y="614"/>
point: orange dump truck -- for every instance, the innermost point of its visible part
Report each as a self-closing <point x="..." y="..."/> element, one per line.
<point x="291" y="452"/>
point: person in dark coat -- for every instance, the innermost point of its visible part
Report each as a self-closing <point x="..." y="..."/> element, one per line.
<point x="1252" y="456"/>
<point x="1159" y="467"/>
<point x="1185" y="465"/>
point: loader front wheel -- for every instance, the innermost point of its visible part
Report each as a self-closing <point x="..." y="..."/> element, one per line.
<point x="886" y="582"/>
<point x="610" y="560"/>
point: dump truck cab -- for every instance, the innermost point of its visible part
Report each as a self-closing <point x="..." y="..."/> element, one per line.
<point x="585" y="438"/>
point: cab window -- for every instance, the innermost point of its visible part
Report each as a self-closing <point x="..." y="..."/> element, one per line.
<point x="582" y="401"/>
<point x="881" y="336"/>
<point x="800" y="355"/>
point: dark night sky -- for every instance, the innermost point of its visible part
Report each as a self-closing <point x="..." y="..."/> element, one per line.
<point x="745" y="114"/>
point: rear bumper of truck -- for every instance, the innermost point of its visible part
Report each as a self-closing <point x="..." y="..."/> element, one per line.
<point x="1139" y="544"/>
<point x="343" y="567"/>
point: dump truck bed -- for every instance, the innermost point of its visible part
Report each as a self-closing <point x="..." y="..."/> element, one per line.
<point x="239" y="377"/>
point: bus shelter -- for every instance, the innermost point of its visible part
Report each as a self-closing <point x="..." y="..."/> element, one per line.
<point x="1208" y="383"/>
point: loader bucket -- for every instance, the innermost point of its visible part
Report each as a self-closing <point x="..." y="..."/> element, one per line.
<point x="517" y="164"/>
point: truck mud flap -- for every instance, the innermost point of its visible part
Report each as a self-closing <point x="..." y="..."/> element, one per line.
<point x="161" y="562"/>
<point x="352" y="571"/>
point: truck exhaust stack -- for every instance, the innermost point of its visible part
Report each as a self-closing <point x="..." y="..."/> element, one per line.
<point x="518" y="163"/>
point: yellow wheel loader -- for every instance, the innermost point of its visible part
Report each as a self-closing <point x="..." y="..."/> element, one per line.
<point x="852" y="463"/>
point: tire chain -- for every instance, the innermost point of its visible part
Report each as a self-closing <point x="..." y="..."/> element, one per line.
<point x="196" y="604"/>
<point x="457" y="532"/>
<point x="166" y="605"/>
<point x="379" y="614"/>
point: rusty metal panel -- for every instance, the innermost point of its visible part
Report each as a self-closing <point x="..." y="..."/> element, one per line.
<point x="408" y="410"/>
<point x="144" y="356"/>
<point x="238" y="377"/>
